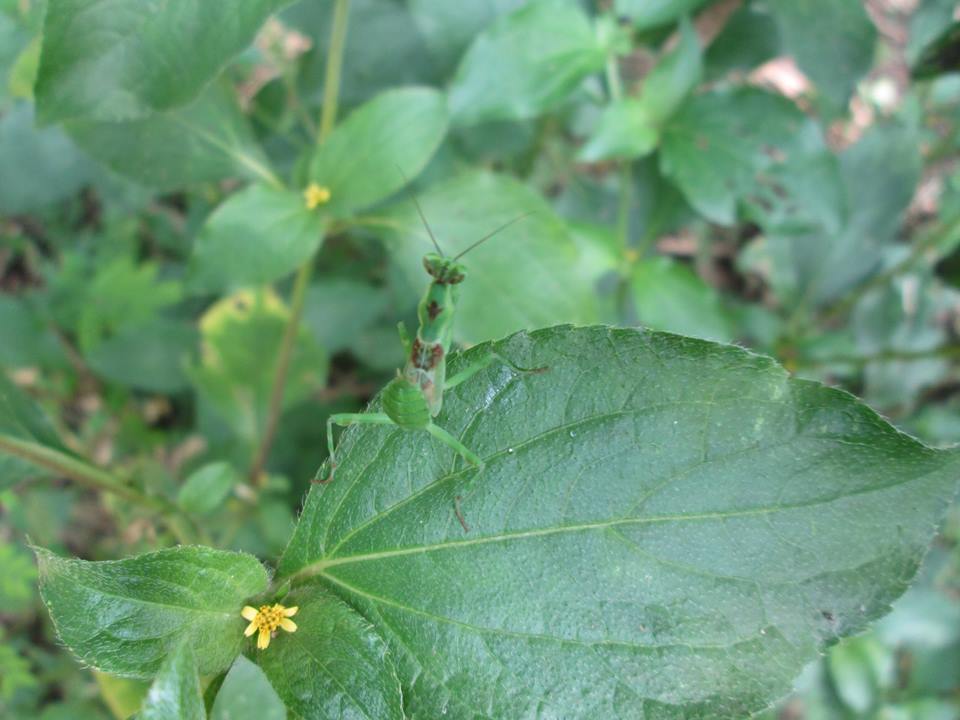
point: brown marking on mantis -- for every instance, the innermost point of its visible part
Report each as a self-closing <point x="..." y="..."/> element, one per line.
<point x="456" y="509"/>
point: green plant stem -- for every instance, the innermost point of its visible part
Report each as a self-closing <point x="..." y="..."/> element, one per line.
<point x="93" y="478"/>
<point x="328" y="118"/>
<point x="944" y="352"/>
<point x="331" y="86"/>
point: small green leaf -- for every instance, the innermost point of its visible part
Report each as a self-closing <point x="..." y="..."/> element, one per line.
<point x="206" y="141"/>
<point x="448" y="28"/>
<point x="122" y="295"/>
<point x="719" y="144"/>
<point x="647" y="14"/>
<point x="123" y="696"/>
<point x="625" y="130"/>
<point x="207" y="487"/>
<point x="749" y="39"/>
<point x="851" y="218"/>
<point x="398" y="132"/>
<point x="334" y="666"/>
<point x="674" y="77"/>
<point x="339" y="310"/>
<point x="246" y="694"/>
<point x="832" y="41"/>
<point x="669" y="296"/>
<point x="125" y="616"/>
<point x="241" y="337"/>
<point x="257" y="236"/>
<point x="17" y="583"/>
<point x="125" y="59"/>
<point x="25" y="339"/>
<point x="149" y="355"/>
<point x="57" y="169"/>
<point x="525" y="277"/>
<point x="175" y="694"/>
<point x="662" y="523"/>
<point x="526" y="63"/>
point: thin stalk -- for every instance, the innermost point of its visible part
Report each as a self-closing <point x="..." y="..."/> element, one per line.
<point x="91" y="477"/>
<point x="331" y="86"/>
<point x="287" y="344"/>
<point x="945" y="352"/>
<point x="328" y="118"/>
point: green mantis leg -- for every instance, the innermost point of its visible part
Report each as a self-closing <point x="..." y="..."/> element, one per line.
<point x="344" y="419"/>
<point x="404" y="337"/>
<point x="450" y="441"/>
<point x="472" y="369"/>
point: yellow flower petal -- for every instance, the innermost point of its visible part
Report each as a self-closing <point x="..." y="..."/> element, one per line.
<point x="251" y="629"/>
<point x="249" y="613"/>
<point x="288" y="625"/>
<point x="263" y="639"/>
<point x="291" y="611"/>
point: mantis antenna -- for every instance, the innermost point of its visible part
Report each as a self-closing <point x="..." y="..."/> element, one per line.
<point x="490" y="235"/>
<point x="413" y="196"/>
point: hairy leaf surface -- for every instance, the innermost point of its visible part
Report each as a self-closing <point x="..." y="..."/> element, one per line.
<point x="126" y="616"/>
<point x="175" y="694"/>
<point x="666" y="527"/>
<point x="335" y="666"/>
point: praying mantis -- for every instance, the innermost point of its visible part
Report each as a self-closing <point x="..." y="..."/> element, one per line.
<point x="415" y="396"/>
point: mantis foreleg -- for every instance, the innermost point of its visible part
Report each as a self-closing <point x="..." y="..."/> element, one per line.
<point x="450" y="441"/>
<point x="475" y="367"/>
<point x="344" y="419"/>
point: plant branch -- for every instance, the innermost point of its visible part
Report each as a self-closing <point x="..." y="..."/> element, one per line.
<point x="943" y="352"/>
<point x="328" y="117"/>
<point x="331" y="86"/>
<point x="90" y="477"/>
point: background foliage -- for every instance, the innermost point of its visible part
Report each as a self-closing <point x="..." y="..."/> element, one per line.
<point x="776" y="174"/>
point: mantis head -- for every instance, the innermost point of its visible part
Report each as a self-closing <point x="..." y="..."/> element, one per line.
<point x="444" y="270"/>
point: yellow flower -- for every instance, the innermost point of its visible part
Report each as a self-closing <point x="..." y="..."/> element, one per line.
<point x="315" y="196"/>
<point x="267" y="619"/>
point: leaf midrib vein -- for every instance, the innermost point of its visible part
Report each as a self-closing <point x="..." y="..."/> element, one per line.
<point x="321" y="565"/>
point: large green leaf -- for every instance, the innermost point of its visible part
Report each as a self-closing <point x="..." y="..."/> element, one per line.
<point x="258" y="235"/>
<point x="525" y="277"/>
<point x="720" y="146"/>
<point x="832" y="42"/>
<point x="175" y="694"/>
<point x="206" y="141"/>
<point x="365" y="159"/>
<point x="526" y="63"/>
<point x="124" y="59"/>
<point x="125" y="616"/>
<point x="665" y="527"/>
<point x="246" y="694"/>
<point x="334" y="666"/>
